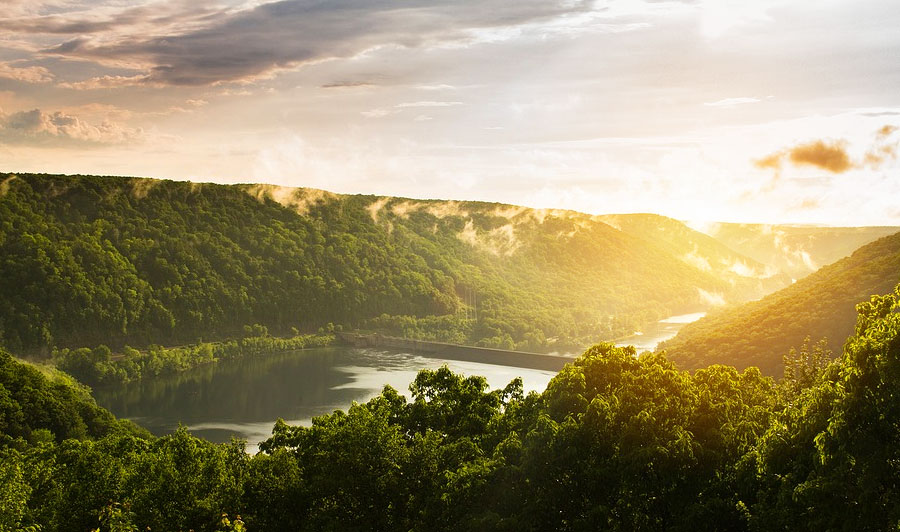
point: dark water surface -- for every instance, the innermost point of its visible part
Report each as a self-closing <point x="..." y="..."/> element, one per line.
<point x="243" y="398"/>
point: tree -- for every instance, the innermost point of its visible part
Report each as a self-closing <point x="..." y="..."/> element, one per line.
<point x="836" y="452"/>
<point x="805" y="368"/>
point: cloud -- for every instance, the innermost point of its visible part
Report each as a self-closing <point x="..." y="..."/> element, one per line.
<point x="90" y="17"/>
<point x="438" y="87"/>
<point x="68" y="46"/>
<point x="36" y="126"/>
<point x="881" y="113"/>
<point x="830" y="156"/>
<point x="426" y="104"/>
<point x="189" y="107"/>
<point x="375" y="113"/>
<point x="883" y="150"/>
<point x="721" y="17"/>
<point x="299" y="199"/>
<point x="697" y="261"/>
<point x="106" y="82"/>
<point x="826" y="155"/>
<point x="715" y="299"/>
<point x="382" y="112"/>
<point x="32" y="74"/>
<point x="500" y="241"/>
<point x="732" y="102"/>
<point x="240" y="45"/>
<point x="346" y="85"/>
<point x="770" y="162"/>
<point x="886" y="131"/>
<point x="21" y="8"/>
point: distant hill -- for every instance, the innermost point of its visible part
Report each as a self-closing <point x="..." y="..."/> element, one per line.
<point x="821" y="305"/>
<point x="797" y="250"/>
<point x="701" y="251"/>
<point x="88" y="260"/>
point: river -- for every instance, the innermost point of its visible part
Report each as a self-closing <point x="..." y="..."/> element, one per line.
<point x="661" y="331"/>
<point x="243" y="398"/>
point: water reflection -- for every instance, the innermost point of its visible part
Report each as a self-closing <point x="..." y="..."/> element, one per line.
<point x="663" y="330"/>
<point x="243" y="398"/>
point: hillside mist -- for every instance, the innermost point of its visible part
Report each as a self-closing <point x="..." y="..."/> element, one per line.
<point x="796" y="250"/>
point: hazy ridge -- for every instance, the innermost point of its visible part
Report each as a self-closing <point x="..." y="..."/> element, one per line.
<point x="821" y="305"/>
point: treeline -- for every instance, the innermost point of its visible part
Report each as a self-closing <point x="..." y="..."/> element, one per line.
<point x="616" y="442"/>
<point x="98" y="366"/>
<point x="88" y="260"/>
<point x="515" y="334"/>
<point x="821" y="306"/>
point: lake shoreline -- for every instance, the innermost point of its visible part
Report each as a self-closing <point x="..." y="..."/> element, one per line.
<point x="243" y="398"/>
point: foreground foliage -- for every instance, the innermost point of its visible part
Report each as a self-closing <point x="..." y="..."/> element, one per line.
<point x="39" y="405"/>
<point x="616" y="442"/>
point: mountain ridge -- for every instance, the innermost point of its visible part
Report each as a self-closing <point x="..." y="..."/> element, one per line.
<point x="90" y="259"/>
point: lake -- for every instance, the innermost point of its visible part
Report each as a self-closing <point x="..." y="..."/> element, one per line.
<point x="243" y="398"/>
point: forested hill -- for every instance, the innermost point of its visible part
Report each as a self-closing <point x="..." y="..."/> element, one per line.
<point x="797" y="250"/>
<point x="821" y="305"/>
<point x="88" y="260"/>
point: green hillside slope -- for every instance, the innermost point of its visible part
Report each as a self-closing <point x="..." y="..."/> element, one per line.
<point x="33" y="403"/>
<point x="821" y="305"/>
<point x="99" y="260"/>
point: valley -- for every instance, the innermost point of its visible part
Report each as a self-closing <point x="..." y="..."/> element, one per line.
<point x="442" y="266"/>
<point x="208" y="315"/>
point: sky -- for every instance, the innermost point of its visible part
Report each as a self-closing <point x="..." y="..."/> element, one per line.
<point x="719" y="110"/>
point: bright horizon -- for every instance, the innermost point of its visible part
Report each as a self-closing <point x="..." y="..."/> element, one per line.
<point x="775" y="112"/>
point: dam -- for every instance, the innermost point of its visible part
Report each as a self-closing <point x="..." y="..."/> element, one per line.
<point x="468" y="353"/>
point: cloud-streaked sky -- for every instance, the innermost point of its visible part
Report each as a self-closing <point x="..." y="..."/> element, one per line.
<point x="772" y="111"/>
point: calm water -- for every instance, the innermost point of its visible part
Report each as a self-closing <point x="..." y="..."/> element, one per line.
<point x="662" y="331"/>
<point x="243" y="398"/>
